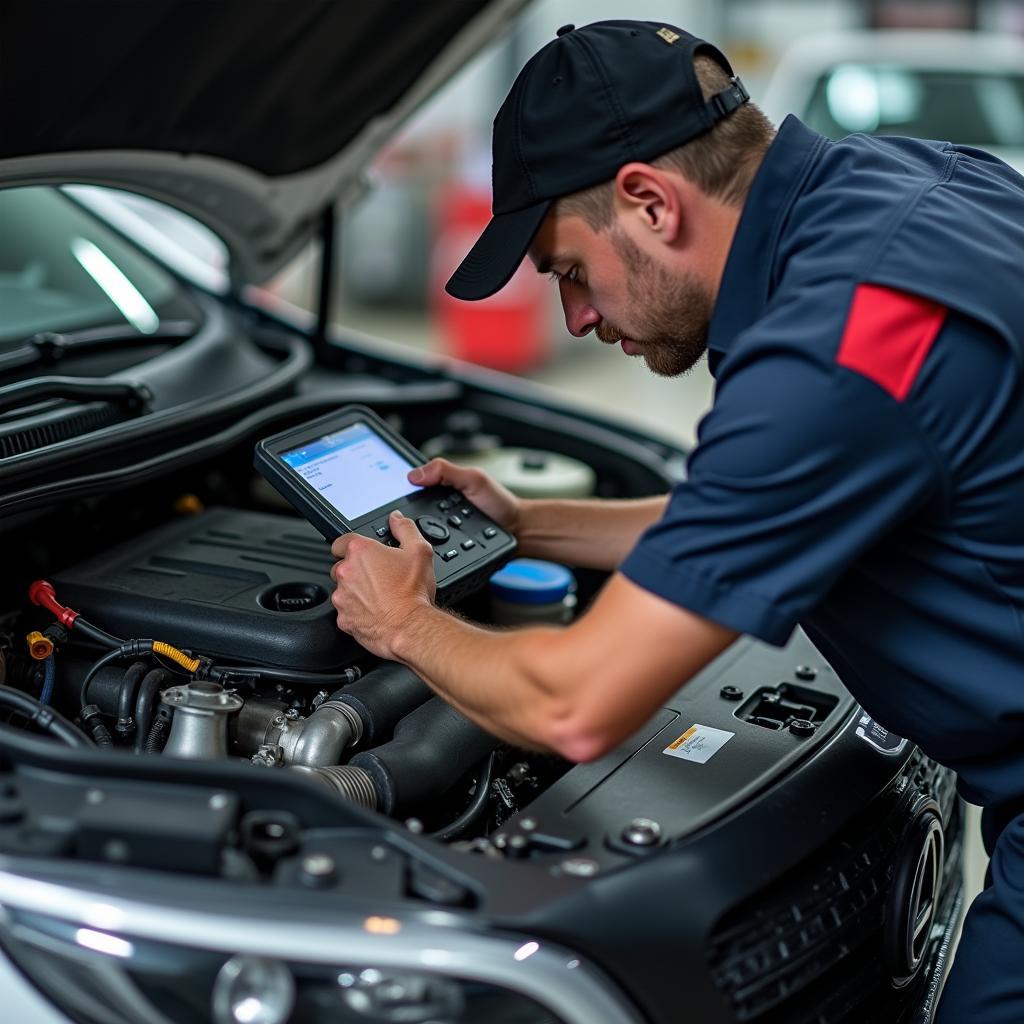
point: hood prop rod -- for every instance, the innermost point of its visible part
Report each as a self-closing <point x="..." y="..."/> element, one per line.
<point x="321" y="344"/>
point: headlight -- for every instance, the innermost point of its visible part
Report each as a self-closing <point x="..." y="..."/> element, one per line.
<point x="201" y="954"/>
<point x="104" y="977"/>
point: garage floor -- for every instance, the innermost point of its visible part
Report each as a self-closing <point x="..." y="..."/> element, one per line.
<point x="601" y="376"/>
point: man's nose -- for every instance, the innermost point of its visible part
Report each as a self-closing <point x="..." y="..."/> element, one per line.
<point x="580" y="317"/>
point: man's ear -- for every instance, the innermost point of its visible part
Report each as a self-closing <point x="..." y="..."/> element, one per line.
<point x="650" y="195"/>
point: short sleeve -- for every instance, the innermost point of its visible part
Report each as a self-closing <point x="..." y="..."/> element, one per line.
<point x="801" y="466"/>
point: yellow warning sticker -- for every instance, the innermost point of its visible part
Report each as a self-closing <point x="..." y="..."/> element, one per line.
<point x="699" y="744"/>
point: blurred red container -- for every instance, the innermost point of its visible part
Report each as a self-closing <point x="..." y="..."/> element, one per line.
<point x="508" y="331"/>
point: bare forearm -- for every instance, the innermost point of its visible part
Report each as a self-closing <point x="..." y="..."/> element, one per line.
<point x="592" y="534"/>
<point x="488" y="675"/>
<point x="577" y="690"/>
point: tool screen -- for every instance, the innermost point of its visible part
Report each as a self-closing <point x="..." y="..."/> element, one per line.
<point x="354" y="469"/>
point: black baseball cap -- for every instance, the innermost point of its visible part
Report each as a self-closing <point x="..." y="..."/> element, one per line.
<point x="591" y="100"/>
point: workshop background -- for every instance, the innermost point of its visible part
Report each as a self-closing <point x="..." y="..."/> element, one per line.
<point x="951" y="70"/>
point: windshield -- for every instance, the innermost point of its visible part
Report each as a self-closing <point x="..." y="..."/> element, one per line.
<point x="61" y="269"/>
<point x="971" y="108"/>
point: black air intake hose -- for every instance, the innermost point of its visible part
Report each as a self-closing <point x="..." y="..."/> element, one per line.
<point x="382" y="698"/>
<point x="146" y="704"/>
<point x="433" y="747"/>
<point x="126" y="697"/>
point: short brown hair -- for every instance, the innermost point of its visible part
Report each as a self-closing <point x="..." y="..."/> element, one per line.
<point x="721" y="162"/>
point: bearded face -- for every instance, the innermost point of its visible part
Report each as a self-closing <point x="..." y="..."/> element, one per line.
<point x="671" y="312"/>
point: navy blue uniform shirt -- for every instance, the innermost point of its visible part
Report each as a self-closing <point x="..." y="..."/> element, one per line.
<point x="861" y="472"/>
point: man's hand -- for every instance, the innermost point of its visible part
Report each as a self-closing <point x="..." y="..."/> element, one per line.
<point x="378" y="587"/>
<point x="493" y="499"/>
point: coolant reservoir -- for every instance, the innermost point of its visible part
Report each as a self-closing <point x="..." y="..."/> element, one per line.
<point x="528" y="472"/>
<point x="529" y="591"/>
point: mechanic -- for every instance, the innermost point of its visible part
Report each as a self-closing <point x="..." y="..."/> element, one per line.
<point x="861" y="472"/>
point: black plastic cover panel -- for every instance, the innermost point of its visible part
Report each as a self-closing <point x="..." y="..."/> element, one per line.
<point x="698" y="758"/>
<point x="246" y="586"/>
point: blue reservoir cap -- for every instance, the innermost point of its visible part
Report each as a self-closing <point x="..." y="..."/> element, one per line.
<point x="531" y="581"/>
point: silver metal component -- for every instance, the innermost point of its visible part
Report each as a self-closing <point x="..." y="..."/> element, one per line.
<point x="352" y="783"/>
<point x="379" y="853"/>
<point x="581" y="867"/>
<point x="416" y="998"/>
<point x="414" y="825"/>
<point x="314" y="742"/>
<point x="219" y="801"/>
<point x="270" y="755"/>
<point x="331" y="935"/>
<point x="200" y="725"/>
<point x="642" y="832"/>
<point x="252" y="726"/>
<point x="95" y="796"/>
<point x="528" y="824"/>
<point x="318" y="865"/>
<point x="320" y="739"/>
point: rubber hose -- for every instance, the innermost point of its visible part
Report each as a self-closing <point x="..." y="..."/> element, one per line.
<point x="45" y="718"/>
<point x="146" y="704"/>
<point x="83" y="698"/>
<point x="94" y="633"/>
<point x="382" y="698"/>
<point x="432" y="748"/>
<point x="126" y="695"/>
<point x="157" y="737"/>
<point x="92" y="721"/>
<point x="50" y="669"/>
<point x="476" y="807"/>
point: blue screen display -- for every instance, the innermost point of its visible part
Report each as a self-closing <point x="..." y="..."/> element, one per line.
<point x="354" y="469"/>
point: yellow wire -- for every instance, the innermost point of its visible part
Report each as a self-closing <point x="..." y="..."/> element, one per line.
<point x="159" y="647"/>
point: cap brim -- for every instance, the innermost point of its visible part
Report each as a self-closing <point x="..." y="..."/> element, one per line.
<point x="497" y="253"/>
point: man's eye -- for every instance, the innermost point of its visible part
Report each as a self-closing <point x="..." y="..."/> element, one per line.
<point x="572" y="275"/>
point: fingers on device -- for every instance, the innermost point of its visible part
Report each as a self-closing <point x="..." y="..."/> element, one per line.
<point x="346" y="471"/>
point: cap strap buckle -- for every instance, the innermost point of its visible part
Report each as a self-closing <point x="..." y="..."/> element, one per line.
<point x="726" y="101"/>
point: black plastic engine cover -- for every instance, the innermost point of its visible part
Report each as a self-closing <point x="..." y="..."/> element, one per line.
<point x="248" y="586"/>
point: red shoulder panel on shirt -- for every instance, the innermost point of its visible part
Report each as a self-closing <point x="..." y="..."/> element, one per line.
<point x="888" y="336"/>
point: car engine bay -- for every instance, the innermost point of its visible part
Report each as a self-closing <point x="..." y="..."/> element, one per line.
<point x="167" y="616"/>
<point x="198" y="624"/>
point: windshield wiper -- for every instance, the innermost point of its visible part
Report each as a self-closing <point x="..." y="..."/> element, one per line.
<point x="133" y="398"/>
<point x="50" y="347"/>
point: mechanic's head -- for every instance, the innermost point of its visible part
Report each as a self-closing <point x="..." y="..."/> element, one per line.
<point x="622" y="158"/>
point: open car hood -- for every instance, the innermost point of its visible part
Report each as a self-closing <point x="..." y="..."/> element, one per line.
<point x="251" y="117"/>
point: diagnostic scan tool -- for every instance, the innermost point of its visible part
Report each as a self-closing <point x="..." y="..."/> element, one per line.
<point x="346" y="471"/>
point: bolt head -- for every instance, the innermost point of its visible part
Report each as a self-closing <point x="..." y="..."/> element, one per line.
<point x="642" y="832"/>
<point x="580" y="867"/>
<point x="806" y="672"/>
<point x="318" y="865"/>
<point x="116" y="850"/>
<point x="528" y="824"/>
